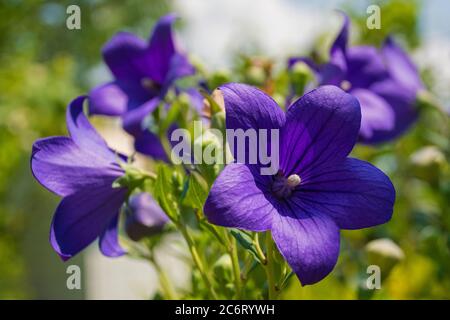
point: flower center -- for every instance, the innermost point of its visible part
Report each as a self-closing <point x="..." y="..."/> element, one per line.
<point x="149" y="84"/>
<point x="346" y="85"/>
<point x="282" y="187"/>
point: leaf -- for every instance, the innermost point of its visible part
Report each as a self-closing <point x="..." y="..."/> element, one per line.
<point x="246" y="242"/>
<point x="165" y="192"/>
<point x="196" y="193"/>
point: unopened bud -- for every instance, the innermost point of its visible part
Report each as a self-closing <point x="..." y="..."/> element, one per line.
<point x="145" y="217"/>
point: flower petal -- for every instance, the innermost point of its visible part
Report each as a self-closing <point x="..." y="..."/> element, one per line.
<point x="402" y="103"/>
<point x="84" y="134"/>
<point x="376" y="115"/>
<point x="63" y="168"/>
<point x="364" y="66"/>
<point x="400" y="66"/>
<point x="109" y="240"/>
<point x="238" y="199"/>
<point x="124" y="54"/>
<point x="161" y="48"/>
<point x="321" y="127"/>
<point x="339" y="47"/>
<point x="354" y="193"/>
<point x="247" y="107"/>
<point x="179" y="67"/>
<point x="145" y="218"/>
<point x="149" y="144"/>
<point x="82" y="217"/>
<point x="108" y="99"/>
<point x="132" y="120"/>
<point x="307" y="239"/>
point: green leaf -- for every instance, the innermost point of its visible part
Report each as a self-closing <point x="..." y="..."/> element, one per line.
<point x="165" y="192"/>
<point x="196" y="193"/>
<point x="246" y="242"/>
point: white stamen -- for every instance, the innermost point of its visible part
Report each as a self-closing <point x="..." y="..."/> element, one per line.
<point x="346" y="85"/>
<point x="293" y="180"/>
<point x="148" y="83"/>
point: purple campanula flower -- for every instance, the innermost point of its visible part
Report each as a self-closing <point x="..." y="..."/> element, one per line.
<point x="143" y="73"/>
<point x="317" y="191"/>
<point x="385" y="82"/>
<point x="145" y="217"/>
<point x="81" y="169"/>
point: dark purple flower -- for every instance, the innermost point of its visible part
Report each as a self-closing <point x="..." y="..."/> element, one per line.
<point x="143" y="72"/>
<point x="145" y="217"/>
<point x="317" y="191"/>
<point x="385" y="82"/>
<point x="81" y="169"/>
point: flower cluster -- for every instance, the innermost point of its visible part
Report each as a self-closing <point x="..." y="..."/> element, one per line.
<point x="362" y="94"/>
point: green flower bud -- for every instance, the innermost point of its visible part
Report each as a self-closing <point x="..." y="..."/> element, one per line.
<point x="385" y="254"/>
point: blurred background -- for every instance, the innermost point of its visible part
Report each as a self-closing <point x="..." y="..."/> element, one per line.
<point x="43" y="65"/>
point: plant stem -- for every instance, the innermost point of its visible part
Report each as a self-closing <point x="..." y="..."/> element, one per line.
<point x="269" y="266"/>
<point x="164" y="282"/>
<point x="197" y="260"/>
<point x="236" y="267"/>
<point x="261" y="255"/>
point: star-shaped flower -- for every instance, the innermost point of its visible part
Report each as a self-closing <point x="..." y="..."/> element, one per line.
<point x="318" y="189"/>
<point x="143" y="73"/>
<point x="81" y="169"/>
<point x="385" y="82"/>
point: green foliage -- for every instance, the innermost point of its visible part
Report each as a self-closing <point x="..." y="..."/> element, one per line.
<point x="44" y="66"/>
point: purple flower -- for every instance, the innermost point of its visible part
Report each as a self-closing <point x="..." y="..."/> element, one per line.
<point x="317" y="191"/>
<point x="143" y="72"/>
<point x="384" y="81"/>
<point x="81" y="169"/>
<point x="145" y="217"/>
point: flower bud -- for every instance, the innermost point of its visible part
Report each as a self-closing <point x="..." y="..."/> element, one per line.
<point x="223" y="269"/>
<point x="385" y="254"/>
<point x="427" y="163"/>
<point x="145" y="217"/>
<point x="300" y="75"/>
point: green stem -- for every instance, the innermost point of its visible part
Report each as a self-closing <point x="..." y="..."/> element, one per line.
<point x="166" y="286"/>
<point x="197" y="260"/>
<point x="261" y="255"/>
<point x="269" y="266"/>
<point x="236" y="267"/>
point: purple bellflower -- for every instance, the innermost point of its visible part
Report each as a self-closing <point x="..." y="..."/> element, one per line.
<point x="143" y="73"/>
<point x="318" y="189"/>
<point x="145" y="217"/>
<point x="81" y="169"/>
<point x="385" y="82"/>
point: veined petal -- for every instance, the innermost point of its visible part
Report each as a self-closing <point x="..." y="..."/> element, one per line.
<point x="376" y="115"/>
<point x="321" y="127"/>
<point x="64" y="168"/>
<point x="307" y="239"/>
<point x="354" y="193"/>
<point x="248" y="108"/>
<point x="109" y="241"/>
<point x="238" y="199"/>
<point x="108" y="99"/>
<point x="84" y="134"/>
<point x="82" y="217"/>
